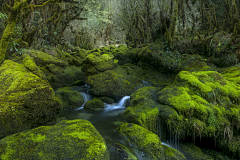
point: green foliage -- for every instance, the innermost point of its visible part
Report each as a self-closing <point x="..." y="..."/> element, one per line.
<point x="3" y="16"/>
<point x="14" y="47"/>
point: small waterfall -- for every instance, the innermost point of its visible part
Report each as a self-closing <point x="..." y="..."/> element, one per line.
<point x="83" y="90"/>
<point x="173" y="136"/>
<point x="120" y="105"/>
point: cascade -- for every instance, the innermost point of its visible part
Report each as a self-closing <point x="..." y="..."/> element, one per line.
<point x="83" y="90"/>
<point x="120" y="105"/>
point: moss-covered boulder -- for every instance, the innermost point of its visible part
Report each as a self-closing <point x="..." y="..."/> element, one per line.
<point x="26" y="100"/>
<point x="107" y="100"/>
<point x="112" y="83"/>
<point x="63" y="77"/>
<point x="155" y="78"/>
<point x="145" y="141"/>
<point x="70" y="99"/>
<point x="143" y="108"/>
<point x="205" y="104"/>
<point x="194" y="63"/>
<point x="153" y="56"/>
<point x="29" y="64"/>
<point x="42" y="59"/>
<point x="75" y="139"/>
<point x="172" y="154"/>
<point x="95" y="104"/>
<point x="57" y="71"/>
<point x="123" y="54"/>
<point x="95" y="63"/>
<point x="118" y="151"/>
<point x="190" y="151"/>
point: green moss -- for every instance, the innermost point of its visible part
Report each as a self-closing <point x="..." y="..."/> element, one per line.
<point x="190" y="151"/>
<point x="29" y="63"/>
<point x="110" y="84"/>
<point x="144" y="140"/>
<point x="99" y="63"/>
<point x="42" y="59"/>
<point x="172" y="154"/>
<point x="76" y="139"/>
<point x="94" y="104"/>
<point x="70" y="99"/>
<point x="153" y="77"/>
<point x="143" y="109"/>
<point x="24" y="96"/>
<point x="207" y="102"/>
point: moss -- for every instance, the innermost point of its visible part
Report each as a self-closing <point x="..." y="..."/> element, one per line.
<point x="206" y="101"/>
<point x="111" y="84"/>
<point x="190" y="151"/>
<point x="98" y="63"/>
<point x="143" y="109"/>
<point x="172" y="154"/>
<point x="29" y="63"/>
<point x="153" y="77"/>
<point x="119" y="151"/>
<point x="76" y="139"/>
<point x="106" y="100"/>
<point x="94" y="104"/>
<point x="42" y="59"/>
<point x="8" y="31"/>
<point x="144" y="140"/>
<point x="70" y="99"/>
<point x="26" y="99"/>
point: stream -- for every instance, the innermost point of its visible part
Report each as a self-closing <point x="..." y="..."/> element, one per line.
<point x="103" y="120"/>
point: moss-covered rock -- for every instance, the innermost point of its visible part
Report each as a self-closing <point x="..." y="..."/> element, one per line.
<point x="194" y="63"/>
<point x="205" y="103"/>
<point x="95" y="63"/>
<point x="172" y="154"/>
<point x="106" y="100"/>
<point x="75" y="139"/>
<point x="118" y="151"/>
<point x="94" y="104"/>
<point x="145" y="141"/>
<point x="152" y="56"/>
<point x="112" y="83"/>
<point x="56" y="71"/>
<point x="155" y="78"/>
<point x="26" y="100"/>
<point x="70" y="99"/>
<point x="123" y="54"/>
<point x="143" y="108"/>
<point x="42" y="59"/>
<point x="190" y="151"/>
<point x="29" y="63"/>
<point x="63" y="77"/>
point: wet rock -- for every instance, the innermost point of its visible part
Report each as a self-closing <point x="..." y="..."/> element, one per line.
<point x="95" y="104"/>
<point x="70" y="99"/>
<point x="145" y="141"/>
<point x="190" y="151"/>
<point x="203" y="101"/>
<point x="106" y="100"/>
<point x="95" y="63"/>
<point x="27" y="100"/>
<point x="112" y="83"/>
<point x="143" y="108"/>
<point x="75" y="139"/>
<point x="172" y="154"/>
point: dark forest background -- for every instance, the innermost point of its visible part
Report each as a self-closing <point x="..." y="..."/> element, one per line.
<point x="185" y="25"/>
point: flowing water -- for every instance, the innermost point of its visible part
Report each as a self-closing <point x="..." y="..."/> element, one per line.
<point x="102" y="120"/>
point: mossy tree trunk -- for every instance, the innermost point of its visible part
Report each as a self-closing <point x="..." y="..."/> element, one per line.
<point x="12" y="20"/>
<point x="14" y="12"/>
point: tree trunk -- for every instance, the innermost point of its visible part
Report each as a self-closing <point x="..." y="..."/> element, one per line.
<point x="7" y="34"/>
